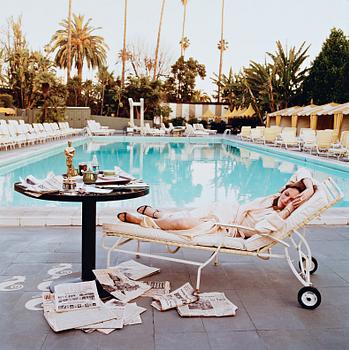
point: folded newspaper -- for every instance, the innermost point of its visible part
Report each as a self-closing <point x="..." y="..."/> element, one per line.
<point x="52" y="183"/>
<point x="117" y="284"/>
<point x="128" y="314"/>
<point x="181" y="296"/>
<point x="135" y="270"/>
<point x="157" y="288"/>
<point x="208" y="305"/>
<point x="78" y="306"/>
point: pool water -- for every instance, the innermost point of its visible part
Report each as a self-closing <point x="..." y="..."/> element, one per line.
<point x="179" y="174"/>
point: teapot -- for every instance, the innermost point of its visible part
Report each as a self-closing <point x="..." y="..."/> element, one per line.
<point x="89" y="177"/>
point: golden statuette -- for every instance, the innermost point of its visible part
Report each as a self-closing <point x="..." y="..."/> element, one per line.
<point x="69" y="153"/>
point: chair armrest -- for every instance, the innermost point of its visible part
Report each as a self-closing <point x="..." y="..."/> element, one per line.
<point x="275" y="239"/>
<point x="221" y="224"/>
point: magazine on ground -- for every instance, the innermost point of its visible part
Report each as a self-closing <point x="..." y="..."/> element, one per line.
<point x="135" y="270"/>
<point x="118" y="285"/>
<point x="181" y="296"/>
<point x="213" y="304"/>
<point x="157" y="288"/>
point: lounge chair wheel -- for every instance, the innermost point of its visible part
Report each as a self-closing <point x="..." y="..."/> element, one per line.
<point x="309" y="298"/>
<point x="313" y="266"/>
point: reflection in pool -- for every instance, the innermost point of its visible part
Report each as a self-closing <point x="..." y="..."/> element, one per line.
<point x="179" y="174"/>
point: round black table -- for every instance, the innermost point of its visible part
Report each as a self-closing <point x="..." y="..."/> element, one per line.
<point x="88" y="229"/>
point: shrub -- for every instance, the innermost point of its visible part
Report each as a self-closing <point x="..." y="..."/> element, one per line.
<point x="6" y="100"/>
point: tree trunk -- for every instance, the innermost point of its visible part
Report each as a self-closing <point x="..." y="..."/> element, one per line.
<point x="158" y="40"/>
<point x="69" y="40"/>
<point x="102" y="99"/>
<point x="183" y="26"/>
<point x="123" y="57"/>
<point x="220" y="55"/>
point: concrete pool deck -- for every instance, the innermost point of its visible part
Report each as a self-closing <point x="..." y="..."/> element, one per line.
<point x="49" y="216"/>
<point x="269" y="316"/>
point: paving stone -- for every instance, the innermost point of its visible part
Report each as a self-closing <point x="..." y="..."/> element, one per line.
<point x="269" y="316"/>
<point x="180" y="341"/>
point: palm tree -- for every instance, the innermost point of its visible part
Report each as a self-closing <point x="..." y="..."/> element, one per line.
<point x="184" y="40"/>
<point x="158" y="40"/>
<point x="84" y="45"/>
<point x="104" y="78"/>
<point x="124" y="52"/>
<point x="222" y="46"/>
<point x="288" y="69"/>
<point x="69" y="39"/>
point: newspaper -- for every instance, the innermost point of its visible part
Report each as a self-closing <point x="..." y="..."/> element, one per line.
<point x="135" y="270"/>
<point x="181" y="296"/>
<point x="157" y="288"/>
<point x="209" y="305"/>
<point x="60" y="321"/>
<point x="51" y="184"/>
<point x="116" y="323"/>
<point x="118" y="285"/>
<point x="76" y="296"/>
<point x="127" y="314"/>
<point x="132" y="314"/>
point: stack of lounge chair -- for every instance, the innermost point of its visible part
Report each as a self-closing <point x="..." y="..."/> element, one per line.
<point x="17" y="133"/>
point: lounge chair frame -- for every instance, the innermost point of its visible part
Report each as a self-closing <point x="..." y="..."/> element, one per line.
<point x="305" y="261"/>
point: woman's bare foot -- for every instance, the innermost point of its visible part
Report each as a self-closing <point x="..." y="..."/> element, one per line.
<point x="129" y="218"/>
<point x="149" y="211"/>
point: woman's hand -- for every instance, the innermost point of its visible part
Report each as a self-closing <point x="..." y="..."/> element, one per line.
<point x="302" y="197"/>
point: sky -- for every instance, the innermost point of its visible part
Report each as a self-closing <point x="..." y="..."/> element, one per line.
<point x="251" y="27"/>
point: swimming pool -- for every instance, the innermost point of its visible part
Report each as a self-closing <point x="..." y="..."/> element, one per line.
<point x="181" y="173"/>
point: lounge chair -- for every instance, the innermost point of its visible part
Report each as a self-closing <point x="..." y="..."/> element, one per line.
<point x="200" y="127"/>
<point x="176" y="130"/>
<point x="6" y="140"/>
<point x="270" y="135"/>
<point x="96" y="129"/>
<point x="133" y="128"/>
<point x="289" y="140"/>
<point x="163" y="127"/>
<point x="147" y="130"/>
<point x="340" y="149"/>
<point x="257" y="135"/>
<point x="324" y="141"/>
<point x="191" y="132"/>
<point x="259" y="245"/>
<point x="245" y="133"/>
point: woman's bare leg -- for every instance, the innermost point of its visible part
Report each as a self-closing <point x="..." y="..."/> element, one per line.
<point x="167" y="222"/>
<point x="150" y="211"/>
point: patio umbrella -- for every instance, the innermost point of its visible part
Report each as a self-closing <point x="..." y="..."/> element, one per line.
<point x="208" y="114"/>
<point x="10" y="111"/>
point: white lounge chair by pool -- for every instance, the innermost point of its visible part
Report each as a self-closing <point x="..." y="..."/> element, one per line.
<point x="259" y="245"/>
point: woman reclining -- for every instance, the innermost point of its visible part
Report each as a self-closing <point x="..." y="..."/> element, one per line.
<point x="265" y="215"/>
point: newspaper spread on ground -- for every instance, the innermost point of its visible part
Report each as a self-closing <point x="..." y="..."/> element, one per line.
<point x="129" y="313"/>
<point x="60" y="321"/>
<point x="118" y="285"/>
<point x="132" y="314"/>
<point x="181" y="296"/>
<point x="209" y="305"/>
<point x="116" y="323"/>
<point x="157" y="288"/>
<point x="52" y="183"/>
<point x="76" y="296"/>
<point x="135" y="270"/>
